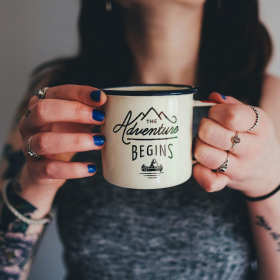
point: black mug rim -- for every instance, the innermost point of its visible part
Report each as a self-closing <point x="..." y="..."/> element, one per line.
<point x="113" y="91"/>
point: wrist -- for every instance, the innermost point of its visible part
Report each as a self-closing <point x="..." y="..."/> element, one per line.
<point x="40" y="197"/>
<point x="258" y="189"/>
<point x="267" y="205"/>
<point x="254" y="198"/>
<point x="20" y="207"/>
<point x="260" y="198"/>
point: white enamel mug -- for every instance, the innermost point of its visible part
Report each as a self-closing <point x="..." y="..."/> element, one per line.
<point x="148" y="132"/>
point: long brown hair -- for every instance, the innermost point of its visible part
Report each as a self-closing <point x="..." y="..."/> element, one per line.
<point x="234" y="52"/>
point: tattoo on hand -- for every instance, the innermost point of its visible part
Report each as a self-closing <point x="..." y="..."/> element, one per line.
<point x="16" y="247"/>
<point x="262" y="223"/>
<point x="27" y="113"/>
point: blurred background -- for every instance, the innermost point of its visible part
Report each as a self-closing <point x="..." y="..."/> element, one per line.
<point x="35" y="31"/>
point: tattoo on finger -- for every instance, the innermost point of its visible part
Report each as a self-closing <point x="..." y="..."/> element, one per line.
<point x="28" y="113"/>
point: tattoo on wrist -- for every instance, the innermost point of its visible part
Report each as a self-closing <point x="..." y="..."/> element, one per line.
<point x="16" y="246"/>
<point x="275" y="236"/>
<point x="261" y="222"/>
<point x="278" y="250"/>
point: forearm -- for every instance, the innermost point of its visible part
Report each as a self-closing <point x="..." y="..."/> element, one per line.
<point x="265" y="223"/>
<point x="18" y="238"/>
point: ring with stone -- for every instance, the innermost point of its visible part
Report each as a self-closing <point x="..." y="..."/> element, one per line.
<point x="224" y="166"/>
<point x="41" y="92"/>
<point x="235" y="140"/>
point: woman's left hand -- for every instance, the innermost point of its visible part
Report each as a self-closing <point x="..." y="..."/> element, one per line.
<point x="254" y="163"/>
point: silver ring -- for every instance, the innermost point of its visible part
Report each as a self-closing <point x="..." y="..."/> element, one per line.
<point x="257" y="118"/>
<point x="235" y="140"/>
<point x="41" y="92"/>
<point x="29" y="151"/>
<point x="224" y="166"/>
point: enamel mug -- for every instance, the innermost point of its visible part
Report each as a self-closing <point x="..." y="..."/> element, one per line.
<point x="148" y="132"/>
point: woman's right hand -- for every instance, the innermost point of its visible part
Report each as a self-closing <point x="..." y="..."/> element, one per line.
<point x="61" y="125"/>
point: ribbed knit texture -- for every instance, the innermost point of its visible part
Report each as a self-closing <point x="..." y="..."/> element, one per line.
<point x="176" y="233"/>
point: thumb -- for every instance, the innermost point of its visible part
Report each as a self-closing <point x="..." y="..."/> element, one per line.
<point x="221" y="99"/>
<point x="209" y="180"/>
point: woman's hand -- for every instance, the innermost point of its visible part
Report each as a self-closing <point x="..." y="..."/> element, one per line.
<point x="254" y="163"/>
<point x="61" y="125"/>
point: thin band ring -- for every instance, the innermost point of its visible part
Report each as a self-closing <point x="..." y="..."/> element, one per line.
<point x="29" y="151"/>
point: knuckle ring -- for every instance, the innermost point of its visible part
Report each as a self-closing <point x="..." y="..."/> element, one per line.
<point x="41" y="92"/>
<point x="257" y="118"/>
<point x="224" y="166"/>
<point x="29" y="151"/>
<point x="235" y="140"/>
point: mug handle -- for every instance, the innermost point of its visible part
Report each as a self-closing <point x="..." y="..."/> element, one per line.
<point x="198" y="103"/>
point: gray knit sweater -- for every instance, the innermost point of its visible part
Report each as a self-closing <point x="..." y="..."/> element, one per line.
<point x="176" y="233"/>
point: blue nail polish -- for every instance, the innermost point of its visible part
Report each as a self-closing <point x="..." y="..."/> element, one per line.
<point x="223" y="96"/>
<point x="95" y="95"/>
<point x="99" y="140"/>
<point x="98" y="115"/>
<point x="91" y="168"/>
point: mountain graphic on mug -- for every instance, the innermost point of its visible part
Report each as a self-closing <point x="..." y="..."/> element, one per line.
<point x="147" y="124"/>
<point x="152" y="114"/>
<point x="154" y="166"/>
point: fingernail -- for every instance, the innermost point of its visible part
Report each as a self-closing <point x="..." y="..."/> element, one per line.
<point x="99" y="140"/>
<point x="223" y="96"/>
<point x="98" y="115"/>
<point x="95" y="95"/>
<point x="91" y="168"/>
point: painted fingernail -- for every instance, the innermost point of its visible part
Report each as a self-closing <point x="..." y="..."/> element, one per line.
<point x="223" y="96"/>
<point x="98" y="115"/>
<point x="91" y="168"/>
<point x="99" y="140"/>
<point x="95" y="95"/>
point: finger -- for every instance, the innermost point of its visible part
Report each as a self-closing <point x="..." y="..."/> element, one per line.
<point x="85" y="94"/>
<point x="32" y="101"/>
<point x="48" y="111"/>
<point x="237" y="117"/>
<point x="57" y="143"/>
<point x="225" y="99"/>
<point x="220" y="137"/>
<point x="43" y="168"/>
<point x="74" y="128"/>
<point x="209" y="180"/>
<point x="213" y="158"/>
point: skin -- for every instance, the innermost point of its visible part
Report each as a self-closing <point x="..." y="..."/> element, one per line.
<point x="166" y="52"/>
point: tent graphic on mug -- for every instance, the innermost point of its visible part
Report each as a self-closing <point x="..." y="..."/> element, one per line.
<point x="154" y="166"/>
